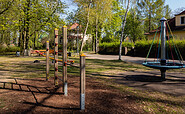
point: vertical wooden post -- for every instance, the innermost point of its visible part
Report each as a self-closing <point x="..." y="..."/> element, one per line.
<point x="47" y="60"/>
<point x="56" y="57"/>
<point x="64" y="54"/>
<point x="82" y="82"/>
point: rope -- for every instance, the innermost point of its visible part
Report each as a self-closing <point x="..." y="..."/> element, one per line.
<point x="175" y="46"/>
<point x="151" y="46"/>
<point x="170" y="45"/>
<point x="159" y="46"/>
<point x="167" y="45"/>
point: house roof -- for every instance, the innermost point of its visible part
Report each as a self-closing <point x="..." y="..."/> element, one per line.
<point x="171" y="23"/>
<point x="74" y="26"/>
<point x="181" y="13"/>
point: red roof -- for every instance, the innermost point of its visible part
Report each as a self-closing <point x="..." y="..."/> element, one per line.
<point x="74" y="26"/>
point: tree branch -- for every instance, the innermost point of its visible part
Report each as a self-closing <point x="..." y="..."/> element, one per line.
<point x="9" y="4"/>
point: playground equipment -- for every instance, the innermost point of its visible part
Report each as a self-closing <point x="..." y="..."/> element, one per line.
<point x="64" y="64"/>
<point x="60" y="60"/>
<point x="164" y="63"/>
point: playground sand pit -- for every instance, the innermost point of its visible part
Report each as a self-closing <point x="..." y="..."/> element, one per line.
<point x="40" y="96"/>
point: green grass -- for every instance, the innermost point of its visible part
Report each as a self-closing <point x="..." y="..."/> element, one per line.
<point x="151" y="102"/>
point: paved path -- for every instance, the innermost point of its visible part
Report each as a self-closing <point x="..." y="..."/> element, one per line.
<point x="115" y="57"/>
<point x="145" y="80"/>
<point x="138" y="60"/>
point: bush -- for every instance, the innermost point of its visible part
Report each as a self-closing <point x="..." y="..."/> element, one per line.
<point x="142" y="47"/>
<point x="9" y="49"/>
<point x="113" y="47"/>
<point x="12" y="49"/>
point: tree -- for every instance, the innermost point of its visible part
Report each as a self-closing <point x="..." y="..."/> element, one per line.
<point x="134" y="28"/>
<point x="29" y="18"/>
<point x="84" y="6"/>
<point x="96" y="13"/>
<point x="102" y="13"/>
<point x="112" y="27"/>
<point x="167" y="12"/>
<point x="5" y="5"/>
<point x="152" y="11"/>
<point x="86" y="26"/>
<point x="123" y="28"/>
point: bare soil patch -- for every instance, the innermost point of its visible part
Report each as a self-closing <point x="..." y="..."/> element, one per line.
<point x="40" y="96"/>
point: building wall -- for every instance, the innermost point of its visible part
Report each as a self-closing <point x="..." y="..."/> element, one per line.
<point x="176" y="34"/>
<point x="178" y="20"/>
<point x="151" y="36"/>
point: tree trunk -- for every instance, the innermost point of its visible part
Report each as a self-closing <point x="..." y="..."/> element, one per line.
<point x="81" y="48"/>
<point x="123" y="27"/>
<point x="149" y="27"/>
<point x="96" y="40"/>
<point x="27" y="24"/>
<point x="93" y="47"/>
<point x="34" y="40"/>
<point x="20" y="37"/>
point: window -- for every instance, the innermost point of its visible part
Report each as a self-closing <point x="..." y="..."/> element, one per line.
<point x="183" y="20"/>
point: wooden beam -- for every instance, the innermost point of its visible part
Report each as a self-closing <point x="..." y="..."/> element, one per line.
<point x="82" y="82"/>
<point x="47" y="60"/>
<point x="56" y="57"/>
<point x="64" y="54"/>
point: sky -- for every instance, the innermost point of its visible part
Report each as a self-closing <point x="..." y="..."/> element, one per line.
<point x="71" y="6"/>
<point x="173" y="4"/>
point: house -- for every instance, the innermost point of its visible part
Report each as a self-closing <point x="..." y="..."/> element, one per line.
<point x="177" y="26"/>
<point x="75" y="34"/>
<point x="75" y="31"/>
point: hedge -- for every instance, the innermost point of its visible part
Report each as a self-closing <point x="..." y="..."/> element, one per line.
<point x="142" y="47"/>
<point x="9" y="49"/>
<point x="113" y="47"/>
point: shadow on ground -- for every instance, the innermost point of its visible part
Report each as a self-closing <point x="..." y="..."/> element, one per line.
<point x="151" y="81"/>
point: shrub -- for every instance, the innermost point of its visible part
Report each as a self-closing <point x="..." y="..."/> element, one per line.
<point x="12" y="49"/>
<point x="113" y="47"/>
<point x="9" y="49"/>
<point x="142" y="48"/>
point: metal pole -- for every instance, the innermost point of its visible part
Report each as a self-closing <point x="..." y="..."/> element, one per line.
<point x="163" y="46"/>
<point x="47" y="60"/>
<point x="82" y="82"/>
<point x="64" y="54"/>
<point x="56" y="57"/>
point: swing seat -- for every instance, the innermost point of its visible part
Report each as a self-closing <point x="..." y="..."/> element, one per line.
<point x="169" y="65"/>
